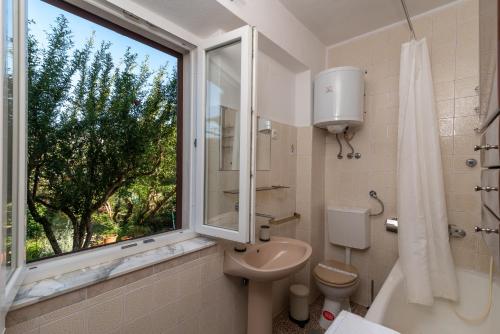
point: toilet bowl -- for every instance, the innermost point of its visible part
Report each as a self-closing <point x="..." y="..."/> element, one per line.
<point x="337" y="281"/>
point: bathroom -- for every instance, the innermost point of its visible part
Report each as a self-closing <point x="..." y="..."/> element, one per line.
<point x="254" y="219"/>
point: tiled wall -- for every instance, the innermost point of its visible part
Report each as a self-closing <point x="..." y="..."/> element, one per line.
<point x="279" y="203"/>
<point x="452" y="36"/>
<point x="191" y="295"/>
<point x="310" y="199"/>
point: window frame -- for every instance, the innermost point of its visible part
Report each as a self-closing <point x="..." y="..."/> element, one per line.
<point x="15" y="278"/>
<point x="248" y="38"/>
<point x="57" y="264"/>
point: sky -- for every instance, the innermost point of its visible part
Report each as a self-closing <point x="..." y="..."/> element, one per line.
<point x="44" y="15"/>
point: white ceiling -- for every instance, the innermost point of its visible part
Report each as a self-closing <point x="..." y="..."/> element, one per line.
<point x="202" y="18"/>
<point x="334" y="21"/>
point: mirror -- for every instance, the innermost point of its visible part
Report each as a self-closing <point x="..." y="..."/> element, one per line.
<point x="229" y="141"/>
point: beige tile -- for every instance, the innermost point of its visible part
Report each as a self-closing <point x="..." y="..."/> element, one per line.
<point x="188" y="305"/>
<point x="30" y="326"/>
<point x="466" y="87"/>
<point x="44" y="307"/>
<point x="142" y="325"/>
<point x="187" y="327"/>
<point x="467" y="10"/>
<point x="14" y="331"/>
<point x="208" y="321"/>
<point x="467" y="63"/>
<point x="467" y="106"/>
<point x="446" y="145"/>
<point x="105" y="317"/>
<point x="114" y="283"/>
<point x="166" y="290"/>
<point x="446" y="127"/>
<point x="445" y="108"/>
<point x="73" y="324"/>
<point x="459" y="163"/>
<point x="176" y="262"/>
<point x="164" y="319"/>
<point x="464" y="126"/>
<point x="464" y="145"/>
<point x="444" y="90"/>
<point x="138" y="302"/>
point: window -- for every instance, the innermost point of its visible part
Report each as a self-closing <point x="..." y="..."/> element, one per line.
<point x="104" y="133"/>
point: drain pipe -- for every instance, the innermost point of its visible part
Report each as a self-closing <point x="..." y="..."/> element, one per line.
<point x="348" y="255"/>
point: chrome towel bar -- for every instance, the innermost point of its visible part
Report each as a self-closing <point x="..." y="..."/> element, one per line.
<point x="284" y="220"/>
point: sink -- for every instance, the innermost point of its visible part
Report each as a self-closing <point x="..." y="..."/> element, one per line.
<point x="268" y="261"/>
<point x="262" y="264"/>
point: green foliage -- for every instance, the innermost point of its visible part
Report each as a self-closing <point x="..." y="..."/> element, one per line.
<point x="101" y="143"/>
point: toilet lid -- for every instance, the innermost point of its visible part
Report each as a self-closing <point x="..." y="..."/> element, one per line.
<point x="336" y="273"/>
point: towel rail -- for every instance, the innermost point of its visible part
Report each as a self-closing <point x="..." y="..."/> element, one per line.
<point x="284" y="220"/>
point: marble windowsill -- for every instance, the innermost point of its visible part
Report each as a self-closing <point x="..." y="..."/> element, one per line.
<point x="38" y="291"/>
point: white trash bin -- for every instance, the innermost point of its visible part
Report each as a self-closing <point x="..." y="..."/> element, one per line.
<point x="299" y="304"/>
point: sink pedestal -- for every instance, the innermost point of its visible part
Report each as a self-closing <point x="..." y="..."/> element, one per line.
<point x="260" y="307"/>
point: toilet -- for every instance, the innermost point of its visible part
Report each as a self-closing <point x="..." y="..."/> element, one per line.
<point x="337" y="281"/>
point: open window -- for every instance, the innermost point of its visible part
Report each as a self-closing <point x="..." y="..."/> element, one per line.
<point x="225" y="156"/>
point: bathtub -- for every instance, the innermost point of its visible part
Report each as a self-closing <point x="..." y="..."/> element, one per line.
<point x="391" y="309"/>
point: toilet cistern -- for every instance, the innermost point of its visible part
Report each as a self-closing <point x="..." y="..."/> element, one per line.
<point x="350" y="228"/>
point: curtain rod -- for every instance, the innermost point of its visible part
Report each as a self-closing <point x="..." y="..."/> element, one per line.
<point x="408" y="19"/>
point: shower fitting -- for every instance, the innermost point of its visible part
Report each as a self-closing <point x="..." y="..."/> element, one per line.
<point x="408" y="19"/>
<point x="347" y="139"/>
<point x="373" y="194"/>
<point x="339" y="155"/>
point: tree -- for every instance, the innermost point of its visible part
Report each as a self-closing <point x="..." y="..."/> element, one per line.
<point x="95" y="129"/>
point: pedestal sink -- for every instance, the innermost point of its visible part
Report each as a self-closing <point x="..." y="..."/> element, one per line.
<point x="262" y="264"/>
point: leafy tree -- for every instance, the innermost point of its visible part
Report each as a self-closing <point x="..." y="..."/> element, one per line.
<point x="101" y="138"/>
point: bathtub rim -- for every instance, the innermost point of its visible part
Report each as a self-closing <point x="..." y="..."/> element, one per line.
<point x="378" y="308"/>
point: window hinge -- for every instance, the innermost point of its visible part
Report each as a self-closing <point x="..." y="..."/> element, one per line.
<point x="195" y="142"/>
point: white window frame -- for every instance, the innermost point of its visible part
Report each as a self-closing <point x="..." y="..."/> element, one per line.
<point x="46" y="268"/>
<point x="50" y="267"/>
<point x="12" y="283"/>
<point x="246" y="214"/>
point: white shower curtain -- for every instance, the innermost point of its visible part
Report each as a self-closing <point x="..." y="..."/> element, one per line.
<point x="424" y="248"/>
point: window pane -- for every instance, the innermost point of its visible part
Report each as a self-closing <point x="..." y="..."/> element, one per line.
<point x="9" y="228"/>
<point x="102" y="133"/>
<point x="222" y="136"/>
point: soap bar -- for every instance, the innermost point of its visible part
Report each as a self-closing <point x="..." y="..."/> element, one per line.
<point x="348" y="323"/>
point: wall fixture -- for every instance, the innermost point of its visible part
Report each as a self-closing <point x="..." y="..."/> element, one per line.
<point x="471" y="163"/>
<point x="392" y="225"/>
<point x="373" y="194"/>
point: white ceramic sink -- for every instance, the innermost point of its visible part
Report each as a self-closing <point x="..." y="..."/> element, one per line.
<point x="268" y="261"/>
<point x="262" y="264"/>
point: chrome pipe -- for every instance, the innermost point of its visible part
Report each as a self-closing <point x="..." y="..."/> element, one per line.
<point x="408" y="19"/>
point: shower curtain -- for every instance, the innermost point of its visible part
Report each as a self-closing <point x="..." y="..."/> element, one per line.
<point x="424" y="248"/>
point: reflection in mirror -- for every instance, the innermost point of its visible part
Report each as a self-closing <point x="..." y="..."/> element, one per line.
<point x="229" y="141"/>
<point x="222" y="144"/>
<point x="264" y="134"/>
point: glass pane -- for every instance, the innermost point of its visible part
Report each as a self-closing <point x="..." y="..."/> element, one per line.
<point x="222" y="141"/>
<point x="7" y="140"/>
<point x="103" y="156"/>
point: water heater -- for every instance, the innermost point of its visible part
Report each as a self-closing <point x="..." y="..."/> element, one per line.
<point x="338" y="98"/>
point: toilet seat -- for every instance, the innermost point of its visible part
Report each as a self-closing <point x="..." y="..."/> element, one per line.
<point x="336" y="274"/>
